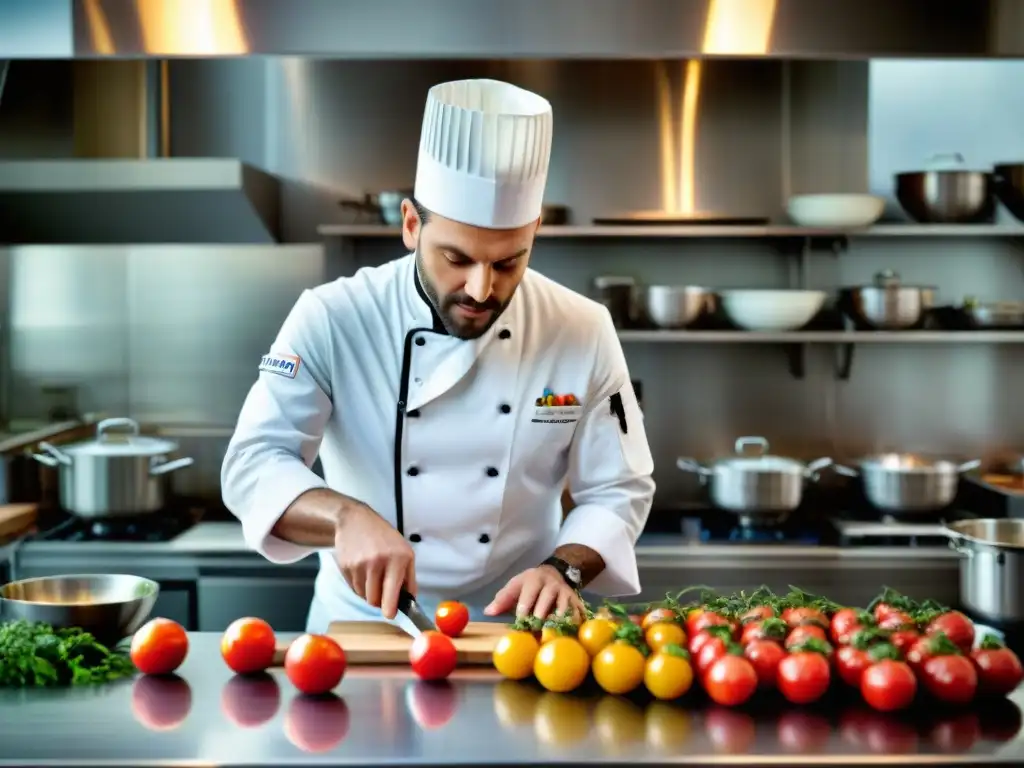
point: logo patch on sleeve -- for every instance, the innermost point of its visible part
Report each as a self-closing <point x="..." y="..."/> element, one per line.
<point x="282" y="365"/>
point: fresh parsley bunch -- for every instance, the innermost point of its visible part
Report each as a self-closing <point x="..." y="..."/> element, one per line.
<point x="34" y="654"/>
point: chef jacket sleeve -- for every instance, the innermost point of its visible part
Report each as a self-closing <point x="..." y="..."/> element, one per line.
<point x="610" y="468"/>
<point x="269" y="459"/>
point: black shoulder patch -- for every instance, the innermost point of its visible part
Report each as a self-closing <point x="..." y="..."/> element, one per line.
<point x="618" y="411"/>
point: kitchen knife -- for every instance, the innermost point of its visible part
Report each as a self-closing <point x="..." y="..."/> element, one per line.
<point x="408" y="606"/>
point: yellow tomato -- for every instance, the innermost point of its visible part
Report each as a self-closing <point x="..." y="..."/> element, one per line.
<point x="667" y="675"/>
<point x="561" y="665"/>
<point x="661" y="634"/>
<point x="514" y="654"/>
<point x="619" y="668"/>
<point x="595" y="634"/>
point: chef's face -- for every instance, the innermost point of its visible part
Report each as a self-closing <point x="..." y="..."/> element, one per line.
<point x="469" y="273"/>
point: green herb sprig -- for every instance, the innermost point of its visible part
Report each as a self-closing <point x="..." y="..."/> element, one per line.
<point x="35" y="655"/>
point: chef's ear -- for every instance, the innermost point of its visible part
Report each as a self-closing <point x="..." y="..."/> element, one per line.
<point x="411" y="225"/>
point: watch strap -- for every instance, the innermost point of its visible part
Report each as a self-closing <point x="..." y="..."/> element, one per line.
<point x="569" y="572"/>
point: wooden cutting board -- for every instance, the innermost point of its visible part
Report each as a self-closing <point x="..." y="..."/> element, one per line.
<point x="374" y="642"/>
<point x="16" y="519"/>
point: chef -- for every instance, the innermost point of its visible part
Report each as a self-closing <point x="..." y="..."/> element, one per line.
<point x="449" y="394"/>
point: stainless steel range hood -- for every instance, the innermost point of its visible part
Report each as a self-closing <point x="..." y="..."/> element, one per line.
<point x="122" y="186"/>
<point x="549" y="29"/>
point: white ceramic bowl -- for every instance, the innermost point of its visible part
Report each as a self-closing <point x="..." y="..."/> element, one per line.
<point x="835" y="211"/>
<point x="767" y="310"/>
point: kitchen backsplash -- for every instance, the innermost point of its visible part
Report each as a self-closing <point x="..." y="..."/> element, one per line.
<point x="173" y="335"/>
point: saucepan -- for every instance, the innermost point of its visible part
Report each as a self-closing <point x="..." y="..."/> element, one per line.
<point x="110" y="606"/>
<point x="991" y="565"/>
<point x="117" y="473"/>
<point x="947" y="191"/>
<point x="907" y="484"/>
<point x="760" y="488"/>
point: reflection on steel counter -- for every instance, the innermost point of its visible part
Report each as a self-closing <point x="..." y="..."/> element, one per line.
<point x="385" y="715"/>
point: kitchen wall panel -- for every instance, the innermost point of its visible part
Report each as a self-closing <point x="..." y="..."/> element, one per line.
<point x="182" y="344"/>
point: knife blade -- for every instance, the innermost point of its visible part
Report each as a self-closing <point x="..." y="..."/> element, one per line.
<point x="408" y="607"/>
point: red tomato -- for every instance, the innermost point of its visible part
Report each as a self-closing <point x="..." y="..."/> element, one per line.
<point x="765" y="656"/>
<point x="896" y="620"/>
<point x="159" y="647"/>
<point x="451" y="618"/>
<point x="659" y="616"/>
<point x="730" y="681"/>
<point x="851" y="663"/>
<point x="803" y="633"/>
<point x="954" y="625"/>
<point x="904" y="639"/>
<point x="709" y="653"/>
<point x="697" y="641"/>
<point x="950" y="679"/>
<point x="923" y="648"/>
<point x="432" y="656"/>
<point x="700" y="619"/>
<point x="796" y="617"/>
<point x="766" y="629"/>
<point x="999" y="669"/>
<point x="248" y="646"/>
<point x="757" y="613"/>
<point x="315" y="664"/>
<point x="882" y="610"/>
<point x="888" y="685"/>
<point x="846" y="622"/>
<point x="804" y="677"/>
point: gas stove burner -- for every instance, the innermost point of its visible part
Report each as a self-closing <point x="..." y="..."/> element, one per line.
<point x="756" y="533"/>
<point x="148" y="528"/>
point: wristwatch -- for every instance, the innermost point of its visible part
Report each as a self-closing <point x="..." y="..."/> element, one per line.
<point x="569" y="572"/>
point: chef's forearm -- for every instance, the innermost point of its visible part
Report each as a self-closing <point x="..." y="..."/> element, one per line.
<point x="313" y="519"/>
<point x="586" y="559"/>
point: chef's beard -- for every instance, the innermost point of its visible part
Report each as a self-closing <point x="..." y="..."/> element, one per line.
<point x="444" y="306"/>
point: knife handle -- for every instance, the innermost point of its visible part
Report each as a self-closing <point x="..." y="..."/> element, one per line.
<point x="405" y="601"/>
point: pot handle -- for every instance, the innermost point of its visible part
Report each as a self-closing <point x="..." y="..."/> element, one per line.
<point x="121" y="421"/>
<point x="49" y="461"/>
<point x="742" y="443"/>
<point x="839" y="469"/>
<point x="167" y="467"/>
<point x="967" y="466"/>
<point x="811" y="470"/>
<point x="946" y="161"/>
<point x="691" y="465"/>
<point x="56" y="453"/>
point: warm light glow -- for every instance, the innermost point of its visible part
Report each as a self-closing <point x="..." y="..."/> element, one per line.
<point x="688" y="137"/>
<point x="666" y="136"/>
<point x="739" y="27"/>
<point x="677" y="136"/>
<point x="99" y="28"/>
<point x="191" y="27"/>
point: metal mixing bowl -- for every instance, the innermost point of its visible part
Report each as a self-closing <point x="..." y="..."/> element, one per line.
<point x="947" y="197"/>
<point x="110" y="606"/>
<point x="888" y="305"/>
<point x="677" y="306"/>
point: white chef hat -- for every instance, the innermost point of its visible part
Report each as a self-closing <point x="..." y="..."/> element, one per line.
<point x="484" y="152"/>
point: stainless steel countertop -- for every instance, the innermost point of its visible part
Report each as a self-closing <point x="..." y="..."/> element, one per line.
<point x="206" y="716"/>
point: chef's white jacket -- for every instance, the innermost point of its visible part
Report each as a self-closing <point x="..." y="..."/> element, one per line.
<point x="444" y="438"/>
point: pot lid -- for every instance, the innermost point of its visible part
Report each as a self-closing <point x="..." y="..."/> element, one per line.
<point x="752" y="453"/>
<point x="120" y="437"/>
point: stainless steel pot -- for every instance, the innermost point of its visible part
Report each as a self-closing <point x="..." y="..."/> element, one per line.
<point x="760" y="488"/>
<point x="115" y="474"/>
<point x="991" y="567"/>
<point x="887" y="305"/>
<point x="947" y="192"/>
<point x="677" y="306"/>
<point x="994" y="314"/>
<point x="907" y="484"/>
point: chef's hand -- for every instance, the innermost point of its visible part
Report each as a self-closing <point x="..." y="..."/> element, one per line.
<point x="375" y="559"/>
<point x="539" y="591"/>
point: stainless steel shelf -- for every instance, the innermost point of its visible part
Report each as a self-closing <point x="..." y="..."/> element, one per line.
<point x="719" y="232"/>
<point x="824" y="337"/>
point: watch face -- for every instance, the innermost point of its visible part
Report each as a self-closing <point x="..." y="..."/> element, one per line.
<point x="573" y="574"/>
